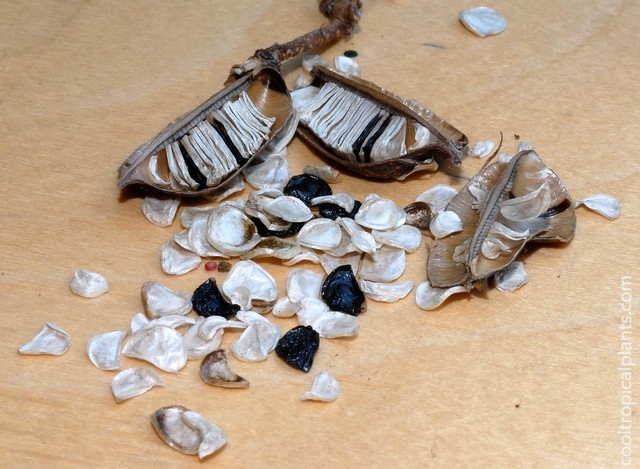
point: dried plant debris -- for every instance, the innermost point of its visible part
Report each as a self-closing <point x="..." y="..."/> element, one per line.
<point x="161" y="346"/>
<point x="298" y="347"/>
<point x="208" y="301"/>
<point x="371" y="131"/>
<point x="133" y="382"/>
<point x="341" y="292"/>
<point x="104" y="349"/>
<point x="88" y="284"/>
<point x="159" y="300"/>
<point x="51" y="340"/>
<point x="215" y="370"/>
<point x="506" y="205"/>
<point x="205" y="149"/>
<point x="483" y="21"/>
<point x="187" y="431"/>
<point x="325" y="388"/>
<point x="160" y="209"/>
<point x="603" y="204"/>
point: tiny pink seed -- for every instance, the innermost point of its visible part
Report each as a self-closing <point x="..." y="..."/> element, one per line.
<point x="211" y="265"/>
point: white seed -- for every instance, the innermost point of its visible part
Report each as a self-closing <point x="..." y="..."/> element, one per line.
<point x="385" y="265"/>
<point x="480" y="149"/>
<point x="235" y="185"/>
<point x="288" y="208"/>
<point x="104" y="350"/>
<point x="437" y="197"/>
<point x="212" y="438"/>
<point x="602" y="204"/>
<point x="176" y="260"/>
<point x="511" y="277"/>
<point x="160" y="210"/>
<point x="306" y="255"/>
<point x="189" y="214"/>
<point x="343" y="199"/>
<point x="215" y="371"/>
<point x="325" y="172"/>
<point x="285" y="308"/>
<point x="273" y="172"/>
<point x="161" y="346"/>
<point x="257" y="341"/>
<point x="241" y="296"/>
<point x="139" y="321"/>
<point x="159" y="300"/>
<point x="303" y="283"/>
<point x="347" y="65"/>
<point x="173" y="321"/>
<point x="320" y="233"/>
<point x="377" y="213"/>
<point x="444" y="224"/>
<point x="325" y="388"/>
<point x="524" y="146"/>
<point x="134" y="381"/>
<point x="332" y="324"/>
<point x="51" y="340"/>
<point x="483" y="21"/>
<point x="405" y="237"/>
<point x="528" y="206"/>
<point x="209" y="326"/>
<point x="310" y="310"/>
<point x="254" y="277"/>
<point x="198" y="242"/>
<point x="196" y="346"/>
<point x="361" y="239"/>
<point x="88" y="284"/>
<point x="230" y="231"/>
<point x="273" y="246"/>
<point x="329" y="262"/>
<point x="428" y="297"/>
<point x="311" y="60"/>
<point x="387" y="292"/>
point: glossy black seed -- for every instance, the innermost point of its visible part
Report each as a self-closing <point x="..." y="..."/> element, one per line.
<point x="306" y="187"/>
<point x="333" y="211"/>
<point x="298" y="347"/>
<point x="341" y="292"/>
<point x="350" y="53"/>
<point x="266" y="232"/>
<point x="207" y="301"/>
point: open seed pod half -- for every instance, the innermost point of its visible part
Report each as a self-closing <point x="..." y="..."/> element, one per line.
<point x="371" y="131"/>
<point x="203" y="150"/>
<point x="506" y="205"/>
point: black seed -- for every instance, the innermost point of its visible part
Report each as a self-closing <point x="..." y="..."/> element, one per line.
<point x="194" y="171"/>
<point x="266" y="232"/>
<point x="306" y="187"/>
<point x="207" y="301"/>
<point x="298" y="346"/>
<point x="350" y="53"/>
<point x="341" y="292"/>
<point x="333" y="211"/>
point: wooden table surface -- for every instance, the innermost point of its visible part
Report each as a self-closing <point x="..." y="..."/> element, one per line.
<point x="493" y="379"/>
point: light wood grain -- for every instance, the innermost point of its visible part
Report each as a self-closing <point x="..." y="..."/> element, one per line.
<point x="494" y="379"/>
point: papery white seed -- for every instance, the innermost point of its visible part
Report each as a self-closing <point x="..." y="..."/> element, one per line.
<point x="524" y="146"/>
<point x="176" y="260"/>
<point x="527" y="206"/>
<point x="345" y="247"/>
<point x="134" y="381"/>
<point x="189" y="214"/>
<point x="274" y="172"/>
<point x="182" y="240"/>
<point x="285" y="308"/>
<point x="301" y="81"/>
<point x="343" y="199"/>
<point x="160" y="209"/>
<point x="88" y="284"/>
<point x="320" y="233"/>
<point x="230" y="231"/>
<point x="387" y="292"/>
<point x="504" y="158"/>
<point x="228" y="189"/>
<point x="437" y="197"/>
<point x="602" y="204"/>
<point x="273" y="246"/>
<point x="139" y="321"/>
<point x="288" y="208"/>
<point x="347" y="65"/>
<point x="159" y="300"/>
<point x="333" y="324"/>
<point x="428" y="297"/>
<point x="251" y="275"/>
<point x="385" y="265"/>
<point x="215" y="371"/>
<point x="483" y="21"/>
<point x="361" y="239"/>
<point x="310" y="310"/>
<point x="256" y="342"/>
<point x="104" y="349"/>
<point x="51" y="340"/>
<point x="480" y="149"/>
<point x="326" y="173"/>
<point x="198" y="242"/>
<point x="301" y="98"/>
<point x="377" y="213"/>
<point x="306" y="255"/>
<point x="312" y="60"/>
<point x="329" y="262"/>
<point x="173" y="321"/>
<point x="445" y="223"/>
<point x="303" y="283"/>
<point x="241" y="296"/>
<point x="208" y="327"/>
<point x="212" y="438"/>
<point x="511" y="277"/>
<point x="325" y="388"/>
<point x="161" y="346"/>
<point x="197" y="344"/>
<point x="405" y="237"/>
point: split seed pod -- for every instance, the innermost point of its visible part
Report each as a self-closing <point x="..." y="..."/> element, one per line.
<point x="202" y="151"/>
<point x="371" y="131"/>
<point x="506" y="205"/>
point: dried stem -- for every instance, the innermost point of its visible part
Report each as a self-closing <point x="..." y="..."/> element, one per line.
<point x="344" y="14"/>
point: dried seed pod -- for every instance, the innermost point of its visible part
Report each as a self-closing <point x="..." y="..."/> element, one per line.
<point x="370" y="130"/>
<point x="202" y="151"/>
<point x="506" y="205"/>
<point x="215" y="371"/>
